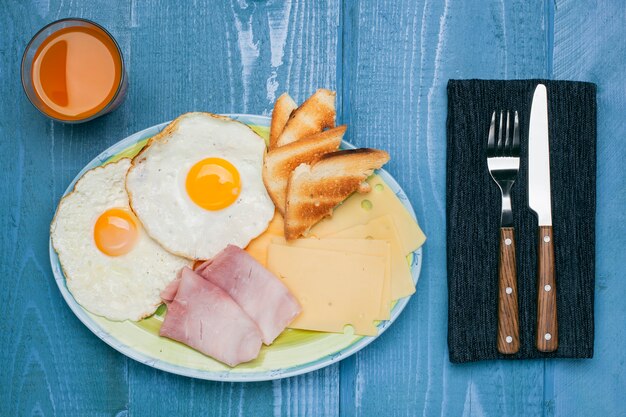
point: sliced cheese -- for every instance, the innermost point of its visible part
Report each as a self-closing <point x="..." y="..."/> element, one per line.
<point x="335" y="289"/>
<point x="369" y="247"/>
<point x="357" y="209"/>
<point x="384" y="228"/>
<point x="361" y="208"/>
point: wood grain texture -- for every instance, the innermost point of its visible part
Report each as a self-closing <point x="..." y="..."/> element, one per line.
<point x="508" y="318"/>
<point x="238" y="57"/>
<point x="597" y="386"/>
<point x="397" y="61"/>
<point x="547" y="336"/>
<point x="390" y="61"/>
<point x="50" y="361"/>
<point x="235" y="56"/>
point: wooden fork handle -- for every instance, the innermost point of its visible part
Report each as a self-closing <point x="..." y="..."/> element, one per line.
<point x="547" y="325"/>
<point x="508" y="320"/>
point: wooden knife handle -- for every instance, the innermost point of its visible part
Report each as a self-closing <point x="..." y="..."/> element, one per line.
<point x="508" y="322"/>
<point x="547" y="325"/>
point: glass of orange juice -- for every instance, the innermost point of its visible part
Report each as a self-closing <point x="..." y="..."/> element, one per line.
<point x="73" y="71"/>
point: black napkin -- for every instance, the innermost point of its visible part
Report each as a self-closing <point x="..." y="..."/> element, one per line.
<point x="473" y="218"/>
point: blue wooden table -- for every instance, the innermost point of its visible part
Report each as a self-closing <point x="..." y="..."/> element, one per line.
<point x="389" y="62"/>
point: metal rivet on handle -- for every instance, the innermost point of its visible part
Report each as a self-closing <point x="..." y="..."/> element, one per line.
<point x="509" y="290"/>
<point x="547" y="287"/>
<point x="507" y="241"/>
<point x="509" y="339"/>
<point x="546" y="239"/>
<point x="548" y="336"/>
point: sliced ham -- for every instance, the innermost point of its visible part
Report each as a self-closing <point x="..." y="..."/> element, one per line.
<point x="257" y="291"/>
<point x="205" y="317"/>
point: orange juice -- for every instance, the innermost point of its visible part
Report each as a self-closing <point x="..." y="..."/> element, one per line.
<point x="76" y="72"/>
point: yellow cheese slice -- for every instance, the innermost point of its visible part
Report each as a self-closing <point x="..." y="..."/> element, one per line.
<point x="335" y="289"/>
<point x="361" y="208"/>
<point x="384" y="228"/>
<point x="369" y="247"/>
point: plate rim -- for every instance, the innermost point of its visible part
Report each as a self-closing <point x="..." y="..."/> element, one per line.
<point x="224" y="376"/>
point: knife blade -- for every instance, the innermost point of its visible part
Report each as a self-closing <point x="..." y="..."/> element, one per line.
<point x="539" y="201"/>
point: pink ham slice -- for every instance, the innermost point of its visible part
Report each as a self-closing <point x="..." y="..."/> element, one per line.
<point x="257" y="291"/>
<point x="203" y="316"/>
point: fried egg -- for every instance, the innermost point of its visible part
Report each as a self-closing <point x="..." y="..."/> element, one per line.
<point x="197" y="186"/>
<point x="112" y="267"/>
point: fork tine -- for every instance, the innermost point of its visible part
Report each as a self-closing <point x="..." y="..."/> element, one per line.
<point x="500" y="143"/>
<point x="507" y="137"/>
<point x="515" y="149"/>
<point x="491" y="143"/>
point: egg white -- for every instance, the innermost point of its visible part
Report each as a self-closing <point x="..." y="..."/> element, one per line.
<point x="124" y="287"/>
<point x="158" y="196"/>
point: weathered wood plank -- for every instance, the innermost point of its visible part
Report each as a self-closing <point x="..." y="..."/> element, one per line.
<point x="398" y="57"/>
<point x="235" y="56"/>
<point x="52" y="365"/>
<point x="314" y="394"/>
<point x="589" y="46"/>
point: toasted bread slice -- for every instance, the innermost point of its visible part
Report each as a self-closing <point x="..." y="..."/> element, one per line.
<point x="283" y="108"/>
<point x="280" y="162"/>
<point x="314" y="115"/>
<point x="314" y="190"/>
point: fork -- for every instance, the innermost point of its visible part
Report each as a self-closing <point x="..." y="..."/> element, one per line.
<point x="503" y="163"/>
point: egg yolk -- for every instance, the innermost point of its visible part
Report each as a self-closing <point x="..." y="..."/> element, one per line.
<point x="115" y="232"/>
<point x="213" y="183"/>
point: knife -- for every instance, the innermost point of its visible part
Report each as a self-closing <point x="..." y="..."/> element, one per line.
<point x="547" y="338"/>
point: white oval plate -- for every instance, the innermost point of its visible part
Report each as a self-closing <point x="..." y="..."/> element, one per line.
<point x="294" y="352"/>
